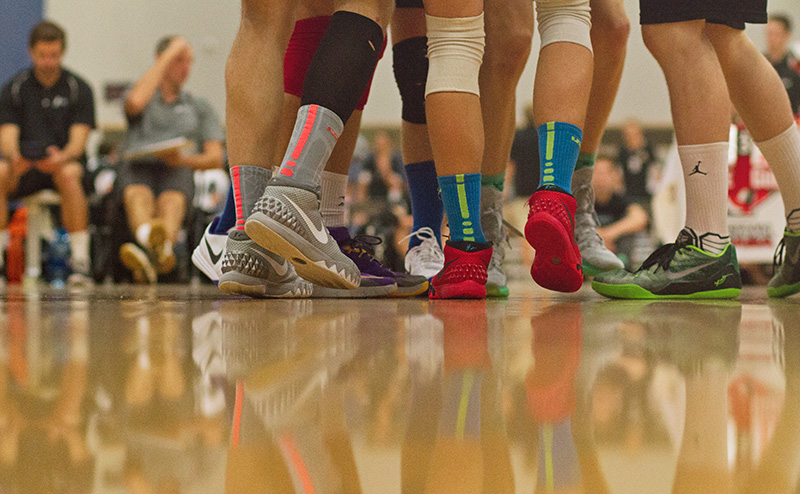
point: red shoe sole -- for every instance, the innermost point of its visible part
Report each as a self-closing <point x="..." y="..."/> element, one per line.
<point x="555" y="265"/>
<point x="463" y="289"/>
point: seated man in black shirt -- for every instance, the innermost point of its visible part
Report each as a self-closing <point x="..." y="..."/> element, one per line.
<point x="46" y="114"/>
<point x="619" y="217"/>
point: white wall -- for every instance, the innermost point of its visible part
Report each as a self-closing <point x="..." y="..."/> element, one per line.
<point x="113" y="40"/>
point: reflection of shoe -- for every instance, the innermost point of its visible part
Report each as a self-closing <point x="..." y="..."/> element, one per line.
<point x="492" y="224"/>
<point x="679" y="270"/>
<point x="557" y="345"/>
<point x="135" y="258"/>
<point x="465" y="271"/>
<point x="208" y="254"/>
<point x="549" y="230"/>
<point x="249" y="269"/>
<point x="427" y="258"/>
<point x="786" y="280"/>
<point x="360" y="250"/>
<point x="370" y="287"/>
<point x="594" y="254"/>
<point x="689" y="334"/>
<point x="286" y="221"/>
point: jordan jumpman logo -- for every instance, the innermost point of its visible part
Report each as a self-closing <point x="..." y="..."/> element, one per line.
<point x="697" y="170"/>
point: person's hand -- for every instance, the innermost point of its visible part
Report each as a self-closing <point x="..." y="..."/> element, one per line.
<point x="55" y="159"/>
<point x="175" y="48"/>
<point x="20" y="165"/>
<point x="171" y="158"/>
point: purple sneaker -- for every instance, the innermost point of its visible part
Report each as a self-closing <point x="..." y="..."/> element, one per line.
<point x="361" y="251"/>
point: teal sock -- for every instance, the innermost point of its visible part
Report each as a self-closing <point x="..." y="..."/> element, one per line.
<point x="559" y="145"/>
<point x="497" y="181"/>
<point x="461" y="195"/>
<point x="585" y="160"/>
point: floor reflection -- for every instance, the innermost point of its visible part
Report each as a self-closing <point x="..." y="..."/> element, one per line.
<point x="169" y="391"/>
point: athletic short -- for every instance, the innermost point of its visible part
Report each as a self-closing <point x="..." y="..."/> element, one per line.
<point x="158" y="176"/>
<point x="732" y="13"/>
<point x="34" y="180"/>
<point x="408" y="4"/>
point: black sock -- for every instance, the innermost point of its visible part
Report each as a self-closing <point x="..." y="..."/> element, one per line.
<point x="343" y="64"/>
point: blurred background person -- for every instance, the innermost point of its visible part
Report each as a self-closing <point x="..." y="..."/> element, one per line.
<point x="159" y="187"/>
<point x="620" y="218"/>
<point x="46" y="114"/>
<point x="786" y="63"/>
<point x="639" y="164"/>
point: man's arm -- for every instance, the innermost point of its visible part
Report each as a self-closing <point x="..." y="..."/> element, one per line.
<point x="211" y="157"/>
<point x="9" y="149"/>
<point x="635" y="220"/>
<point x="144" y="89"/>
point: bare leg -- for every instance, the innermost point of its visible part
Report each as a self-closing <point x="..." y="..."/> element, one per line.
<point x="74" y="207"/>
<point x="254" y="89"/>
<point x="172" y="209"/>
<point x="139" y="205"/>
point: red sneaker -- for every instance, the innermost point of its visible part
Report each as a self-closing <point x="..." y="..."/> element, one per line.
<point x="550" y="231"/>
<point x="464" y="272"/>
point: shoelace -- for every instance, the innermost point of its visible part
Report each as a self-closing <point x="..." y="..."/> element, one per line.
<point x="777" y="258"/>
<point x="429" y="248"/>
<point x="663" y="256"/>
<point x="364" y="248"/>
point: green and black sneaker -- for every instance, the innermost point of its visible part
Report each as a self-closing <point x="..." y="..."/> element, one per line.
<point x="678" y="270"/>
<point x="786" y="267"/>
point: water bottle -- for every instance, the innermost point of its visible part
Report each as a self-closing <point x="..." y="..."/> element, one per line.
<point x="58" y="254"/>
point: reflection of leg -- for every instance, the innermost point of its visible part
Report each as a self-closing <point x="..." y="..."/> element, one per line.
<point x="172" y="383"/>
<point x="703" y="456"/>
<point x="779" y="470"/>
<point x="74" y="379"/>
<point x="336" y="438"/>
<point x="139" y="382"/>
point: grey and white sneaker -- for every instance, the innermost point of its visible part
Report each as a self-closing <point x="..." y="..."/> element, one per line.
<point x="286" y="221"/>
<point x="596" y="257"/>
<point x="427" y="258"/>
<point x="249" y="269"/>
<point x="495" y="232"/>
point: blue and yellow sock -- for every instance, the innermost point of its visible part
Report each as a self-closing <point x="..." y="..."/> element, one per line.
<point x="426" y="205"/>
<point x="461" y="195"/>
<point x="227" y="219"/>
<point x="559" y="145"/>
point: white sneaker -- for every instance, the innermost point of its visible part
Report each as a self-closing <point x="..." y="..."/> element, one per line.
<point x="495" y="232"/>
<point x="427" y="258"/>
<point x="595" y="256"/>
<point x="208" y="254"/>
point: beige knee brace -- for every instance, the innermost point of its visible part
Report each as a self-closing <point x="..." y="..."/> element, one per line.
<point x="455" y="53"/>
<point x="564" y="21"/>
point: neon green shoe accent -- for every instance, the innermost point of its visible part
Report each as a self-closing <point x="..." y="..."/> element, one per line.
<point x="637" y="292"/>
<point x="494" y="291"/>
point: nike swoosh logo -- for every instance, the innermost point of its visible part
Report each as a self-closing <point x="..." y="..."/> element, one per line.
<point x="680" y="274"/>
<point x="214" y="256"/>
<point x="320" y="234"/>
<point x="280" y="268"/>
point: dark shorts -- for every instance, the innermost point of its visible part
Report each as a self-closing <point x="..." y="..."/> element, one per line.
<point x="34" y="180"/>
<point x="732" y="13"/>
<point x="158" y="176"/>
<point x="408" y="4"/>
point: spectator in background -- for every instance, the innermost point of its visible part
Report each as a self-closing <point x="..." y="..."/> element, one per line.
<point x="46" y="114"/>
<point x="382" y="177"/>
<point x="525" y="157"/>
<point x="619" y="217"/>
<point x="158" y="187"/>
<point x="638" y="161"/>
<point x="786" y="63"/>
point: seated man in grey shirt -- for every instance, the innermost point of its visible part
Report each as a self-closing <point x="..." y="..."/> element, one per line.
<point x="158" y="185"/>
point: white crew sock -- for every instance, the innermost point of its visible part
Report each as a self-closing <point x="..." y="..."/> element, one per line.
<point x="332" y="199"/>
<point x="705" y="173"/>
<point x="143" y="234"/>
<point x="79" y="244"/>
<point x="782" y="152"/>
